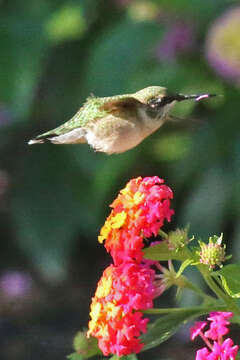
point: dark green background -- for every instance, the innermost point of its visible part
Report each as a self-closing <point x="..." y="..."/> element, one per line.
<point x="54" y="199"/>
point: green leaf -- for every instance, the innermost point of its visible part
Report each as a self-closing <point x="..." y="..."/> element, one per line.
<point x="75" y="356"/>
<point x="162" y="252"/>
<point x="128" y="357"/>
<point x="230" y="279"/>
<point x="163" y="328"/>
<point x="85" y="346"/>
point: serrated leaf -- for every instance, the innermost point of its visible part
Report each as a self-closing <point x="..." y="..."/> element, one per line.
<point x="162" y="252"/>
<point x="163" y="328"/>
<point x="230" y="281"/>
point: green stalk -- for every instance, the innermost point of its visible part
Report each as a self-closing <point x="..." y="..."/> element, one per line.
<point x="204" y="309"/>
<point x="229" y="301"/>
<point x="162" y="234"/>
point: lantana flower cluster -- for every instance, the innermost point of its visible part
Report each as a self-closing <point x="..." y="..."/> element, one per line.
<point x="138" y="212"/>
<point x="217" y="348"/>
<point x="116" y="320"/>
<point x="128" y="285"/>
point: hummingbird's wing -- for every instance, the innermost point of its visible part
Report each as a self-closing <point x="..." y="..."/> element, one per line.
<point x="95" y="108"/>
<point x="125" y="101"/>
<point x="121" y="106"/>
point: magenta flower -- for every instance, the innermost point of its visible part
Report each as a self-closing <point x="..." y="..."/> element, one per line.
<point x="197" y="329"/>
<point x="218" y="326"/>
<point x="220" y="315"/>
<point x="220" y="349"/>
<point x="202" y="354"/>
<point x="224" y="351"/>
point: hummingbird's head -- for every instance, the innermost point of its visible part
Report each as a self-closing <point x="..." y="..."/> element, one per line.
<point x="150" y="93"/>
<point x="158" y="97"/>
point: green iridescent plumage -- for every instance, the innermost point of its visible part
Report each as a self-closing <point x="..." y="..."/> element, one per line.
<point x="91" y="110"/>
<point x="116" y="124"/>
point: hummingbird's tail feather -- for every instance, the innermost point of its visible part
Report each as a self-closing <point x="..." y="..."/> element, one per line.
<point x="41" y="139"/>
<point x="35" y="141"/>
<point x="75" y="136"/>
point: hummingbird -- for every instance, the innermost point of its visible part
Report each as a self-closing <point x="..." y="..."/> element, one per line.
<point x="117" y="123"/>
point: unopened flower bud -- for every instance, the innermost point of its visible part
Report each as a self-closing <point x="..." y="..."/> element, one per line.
<point x="178" y="239"/>
<point x="213" y="253"/>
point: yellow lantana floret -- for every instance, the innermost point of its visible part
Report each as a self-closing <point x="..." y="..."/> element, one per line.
<point x="105" y="288"/>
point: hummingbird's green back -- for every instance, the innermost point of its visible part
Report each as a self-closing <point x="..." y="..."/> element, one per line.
<point x="89" y="112"/>
<point x="99" y="107"/>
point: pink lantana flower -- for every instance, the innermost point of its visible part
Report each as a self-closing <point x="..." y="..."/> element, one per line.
<point x="225" y="351"/>
<point x="197" y="329"/>
<point x="116" y="317"/>
<point x="138" y="212"/>
<point x="218" y="326"/>
<point x="220" y="349"/>
<point x="202" y="354"/>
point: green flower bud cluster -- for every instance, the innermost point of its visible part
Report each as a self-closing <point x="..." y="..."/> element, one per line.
<point x="213" y="253"/>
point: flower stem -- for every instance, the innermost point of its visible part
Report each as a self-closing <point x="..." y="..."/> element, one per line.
<point x="201" y="309"/>
<point x="162" y="234"/>
<point x="230" y="302"/>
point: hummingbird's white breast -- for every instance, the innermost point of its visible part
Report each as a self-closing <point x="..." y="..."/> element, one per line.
<point x="118" y="135"/>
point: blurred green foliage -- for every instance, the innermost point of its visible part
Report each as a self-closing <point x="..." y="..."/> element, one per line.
<point x="53" y="200"/>
<point x="53" y="55"/>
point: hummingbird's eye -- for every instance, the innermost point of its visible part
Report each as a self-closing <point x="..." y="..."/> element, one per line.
<point x="161" y="101"/>
<point x="155" y="102"/>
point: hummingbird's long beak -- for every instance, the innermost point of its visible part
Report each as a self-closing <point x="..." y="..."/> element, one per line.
<point x="168" y="99"/>
<point x="181" y="97"/>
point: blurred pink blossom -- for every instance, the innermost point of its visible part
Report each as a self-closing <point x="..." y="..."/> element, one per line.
<point x="179" y="38"/>
<point x="223" y="45"/>
<point x="15" y="284"/>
